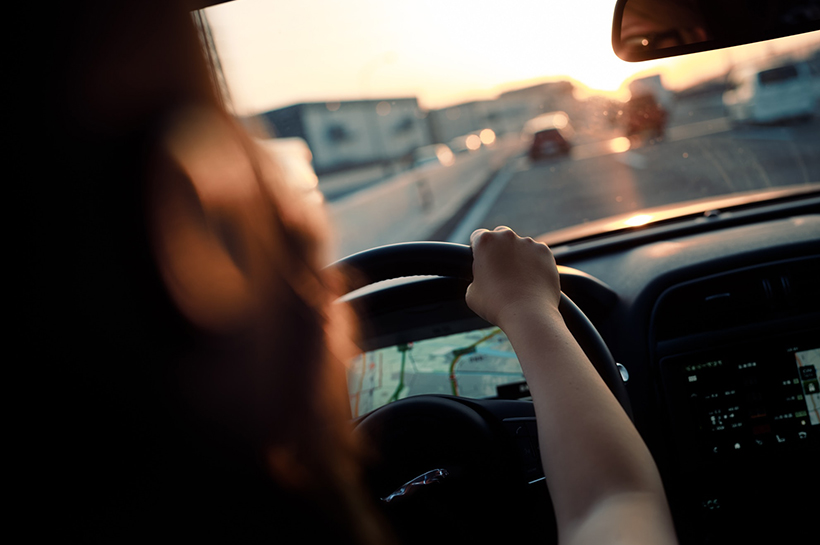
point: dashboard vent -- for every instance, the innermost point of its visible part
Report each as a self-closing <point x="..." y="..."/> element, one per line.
<point x="738" y="298"/>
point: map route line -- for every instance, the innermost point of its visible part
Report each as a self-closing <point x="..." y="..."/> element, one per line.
<point x="458" y="352"/>
<point x="361" y="383"/>
<point x="403" y="348"/>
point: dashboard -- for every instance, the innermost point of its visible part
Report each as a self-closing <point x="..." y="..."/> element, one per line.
<point x="719" y="330"/>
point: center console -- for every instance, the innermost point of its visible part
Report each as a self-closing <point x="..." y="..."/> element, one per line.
<point x="745" y="400"/>
<point x="737" y="364"/>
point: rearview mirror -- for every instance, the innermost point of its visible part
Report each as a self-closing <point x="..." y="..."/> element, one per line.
<point x="651" y="29"/>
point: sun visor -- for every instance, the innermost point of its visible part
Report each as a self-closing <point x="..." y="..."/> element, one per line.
<point x="202" y="4"/>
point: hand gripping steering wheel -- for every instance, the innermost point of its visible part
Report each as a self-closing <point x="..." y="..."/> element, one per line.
<point x="451" y="469"/>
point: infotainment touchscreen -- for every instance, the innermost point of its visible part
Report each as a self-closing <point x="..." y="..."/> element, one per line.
<point x="476" y="364"/>
<point x="755" y="397"/>
<point x="808" y="365"/>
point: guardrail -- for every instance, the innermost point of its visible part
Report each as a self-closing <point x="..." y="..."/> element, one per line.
<point x="413" y="204"/>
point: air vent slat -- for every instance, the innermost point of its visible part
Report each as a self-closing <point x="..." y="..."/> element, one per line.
<point x="740" y="297"/>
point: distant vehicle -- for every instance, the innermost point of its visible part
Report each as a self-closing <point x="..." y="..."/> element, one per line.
<point x="646" y="112"/>
<point x="644" y="115"/>
<point x="465" y="143"/>
<point x="652" y="86"/>
<point x="770" y="95"/>
<point x="550" y="135"/>
<point x="436" y="154"/>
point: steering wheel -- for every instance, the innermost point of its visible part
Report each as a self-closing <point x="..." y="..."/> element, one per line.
<point x="452" y="469"/>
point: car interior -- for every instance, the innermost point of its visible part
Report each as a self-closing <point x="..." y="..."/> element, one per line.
<point x="705" y="324"/>
<point x="707" y="319"/>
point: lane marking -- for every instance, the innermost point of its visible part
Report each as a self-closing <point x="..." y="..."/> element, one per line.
<point x="472" y="220"/>
<point x="800" y="162"/>
<point x="761" y="171"/>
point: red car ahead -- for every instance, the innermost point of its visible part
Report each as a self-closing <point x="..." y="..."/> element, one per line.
<point x="644" y="115"/>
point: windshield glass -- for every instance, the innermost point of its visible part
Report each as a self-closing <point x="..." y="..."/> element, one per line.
<point x="427" y="119"/>
<point x="378" y="89"/>
<point x="775" y="75"/>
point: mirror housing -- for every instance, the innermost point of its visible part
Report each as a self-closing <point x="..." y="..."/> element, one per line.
<point x="653" y="29"/>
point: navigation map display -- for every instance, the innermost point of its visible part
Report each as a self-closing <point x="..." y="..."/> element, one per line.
<point x="808" y="367"/>
<point x="474" y="364"/>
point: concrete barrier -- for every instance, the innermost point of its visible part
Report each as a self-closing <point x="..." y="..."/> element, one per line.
<point x="413" y="204"/>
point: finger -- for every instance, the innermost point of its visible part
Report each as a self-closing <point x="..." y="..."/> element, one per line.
<point x="502" y="228"/>
<point x="476" y="234"/>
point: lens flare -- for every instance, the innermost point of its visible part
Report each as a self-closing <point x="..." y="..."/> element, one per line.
<point x="487" y="136"/>
<point x="445" y="156"/>
<point x="640" y="219"/>
<point x="383" y="108"/>
<point x="620" y="144"/>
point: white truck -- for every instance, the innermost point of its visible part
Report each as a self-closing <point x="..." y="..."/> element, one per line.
<point x="770" y="94"/>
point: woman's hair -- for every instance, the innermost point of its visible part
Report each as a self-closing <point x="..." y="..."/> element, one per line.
<point x="199" y="358"/>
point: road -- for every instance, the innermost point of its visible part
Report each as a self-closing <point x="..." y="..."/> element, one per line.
<point x="702" y="155"/>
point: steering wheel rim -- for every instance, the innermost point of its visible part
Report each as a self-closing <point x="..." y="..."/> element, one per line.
<point x="409" y="259"/>
<point x="477" y="445"/>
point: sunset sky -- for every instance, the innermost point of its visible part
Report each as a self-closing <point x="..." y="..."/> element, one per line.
<point x="277" y="53"/>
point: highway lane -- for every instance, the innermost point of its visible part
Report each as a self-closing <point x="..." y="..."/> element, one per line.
<point x="702" y="155"/>
<point x="703" y="158"/>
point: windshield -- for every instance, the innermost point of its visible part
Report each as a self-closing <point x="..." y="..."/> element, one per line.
<point x="427" y="119"/>
<point x="776" y="75"/>
<point x="378" y="89"/>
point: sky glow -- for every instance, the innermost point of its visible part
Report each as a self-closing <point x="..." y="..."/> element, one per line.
<point x="277" y="53"/>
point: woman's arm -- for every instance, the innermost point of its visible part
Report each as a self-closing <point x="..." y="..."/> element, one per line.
<point x="603" y="481"/>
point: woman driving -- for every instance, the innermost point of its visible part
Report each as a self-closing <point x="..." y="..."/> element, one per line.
<point x="198" y="389"/>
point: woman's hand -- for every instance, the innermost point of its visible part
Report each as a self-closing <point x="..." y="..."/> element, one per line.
<point x="603" y="481"/>
<point x="511" y="276"/>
